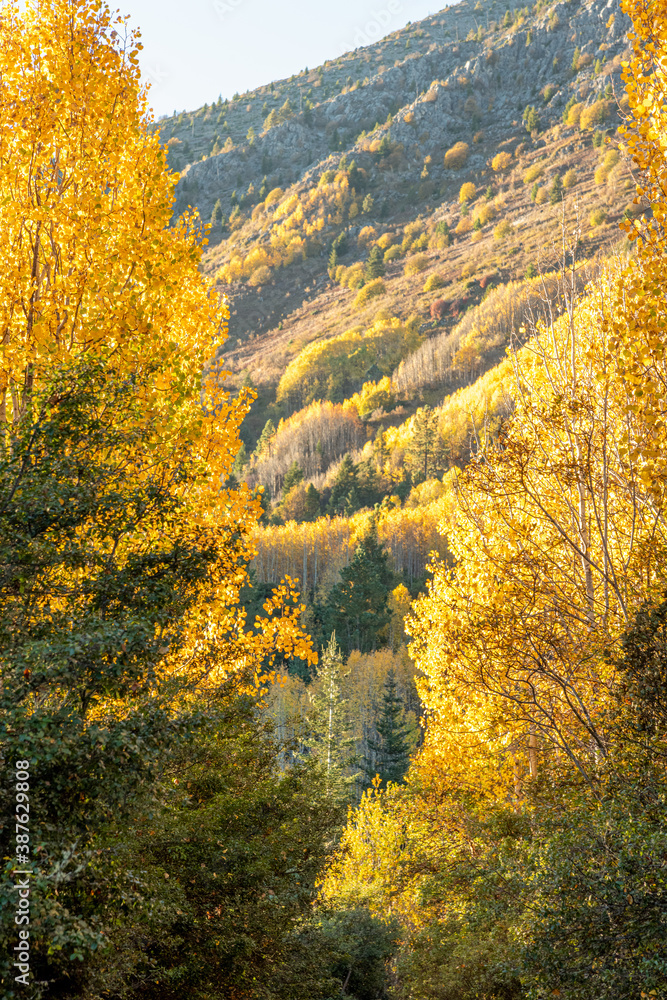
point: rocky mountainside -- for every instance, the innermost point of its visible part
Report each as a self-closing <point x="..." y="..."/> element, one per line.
<point x="340" y="191"/>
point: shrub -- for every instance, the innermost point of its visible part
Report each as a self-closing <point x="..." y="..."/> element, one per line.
<point x="541" y="196"/>
<point x="597" y="217"/>
<point x="456" y="157"/>
<point x="501" y="161"/>
<point x="574" y="114"/>
<point x="596" y="114"/>
<point x="385" y="241"/>
<point x="486" y="214"/>
<point x="370" y="291"/>
<point x="274" y="196"/>
<point x="260" y="276"/>
<point x="502" y="230"/>
<point x="464" y="225"/>
<point x="570" y="179"/>
<point x="438" y="309"/>
<point x="534" y="172"/>
<point x="607" y="165"/>
<point x="416" y="264"/>
<point x="434" y="281"/>
<point x="467" y="193"/>
<point x="392" y="253"/>
<point x="366" y="236"/>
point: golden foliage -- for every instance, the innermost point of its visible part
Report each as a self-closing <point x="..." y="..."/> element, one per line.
<point x="98" y="274"/>
<point x="501" y="161"/>
<point x="370" y="291"/>
<point x="325" y="364"/>
<point x="416" y="264"/>
<point x="457" y="156"/>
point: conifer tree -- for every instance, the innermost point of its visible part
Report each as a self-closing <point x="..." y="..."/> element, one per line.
<point x="390" y="750"/>
<point x="265" y="438"/>
<point x="293" y="477"/>
<point x="425" y="453"/>
<point x="344" y="495"/>
<point x="357" y="607"/>
<point x="312" y="505"/>
<point x="330" y="738"/>
<point x="216" y="214"/>
<point x="375" y="265"/>
<point x="556" y="192"/>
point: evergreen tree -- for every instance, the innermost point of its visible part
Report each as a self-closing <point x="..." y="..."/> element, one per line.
<point x="357" y="607"/>
<point x="375" y="264"/>
<point x="345" y="492"/>
<point x="286" y="112"/>
<point x="293" y="477"/>
<point x="556" y="193"/>
<point x="312" y="508"/>
<point x="424" y="455"/>
<point x="216" y="214"/>
<point x="531" y="119"/>
<point x="330" y="739"/>
<point x="333" y="262"/>
<point x="271" y="120"/>
<point x="390" y="751"/>
<point x="267" y="434"/>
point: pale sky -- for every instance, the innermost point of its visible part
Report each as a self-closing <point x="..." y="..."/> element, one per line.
<point x="197" y="50"/>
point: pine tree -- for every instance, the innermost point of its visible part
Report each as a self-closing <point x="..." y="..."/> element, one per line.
<point x="265" y="438"/>
<point x="390" y="751"/>
<point x="345" y="491"/>
<point x="375" y="264"/>
<point x="312" y="507"/>
<point x="556" y="193"/>
<point x="293" y="477"/>
<point x="333" y="262"/>
<point x="216" y="214"/>
<point x="286" y="112"/>
<point x="330" y="740"/>
<point x="424" y="455"/>
<point x="357" y="607"/>
<point x="531" y="119"/>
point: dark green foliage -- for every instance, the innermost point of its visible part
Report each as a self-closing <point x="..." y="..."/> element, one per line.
<point x="329" y="740"/>
<point x="375" y="264"/>
<point x="293" y="477"/>
<point x="345" y="493"/>
<point x="598" y="139"/>
<point x="227" y="873"/>
<point x="98" y="568"/>
<point x="359" y="946"/>
<point x="556" y="192"/>
<point x="424" y="457"/>
<point x="389" y="749"/>
<point x="264" y="443"/>
<point x="357" y="607"/>
<point x="216" y="214"/>
<point x="531" y="119"/>
<point x="312" y="505"/>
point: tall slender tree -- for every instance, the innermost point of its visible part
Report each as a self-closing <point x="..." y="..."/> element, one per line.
<point x="388" y="749"/>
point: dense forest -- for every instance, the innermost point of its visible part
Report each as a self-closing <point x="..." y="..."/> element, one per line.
<point x="348" y="680"/>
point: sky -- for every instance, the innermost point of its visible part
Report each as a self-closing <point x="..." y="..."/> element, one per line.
<point x="195" y="51"/>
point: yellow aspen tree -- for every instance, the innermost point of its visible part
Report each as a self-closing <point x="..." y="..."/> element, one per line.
<point x="94" y="270"/>
<point x="556" y="541"/>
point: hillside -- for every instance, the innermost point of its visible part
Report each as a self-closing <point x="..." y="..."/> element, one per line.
<point x="360" y="210"/>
